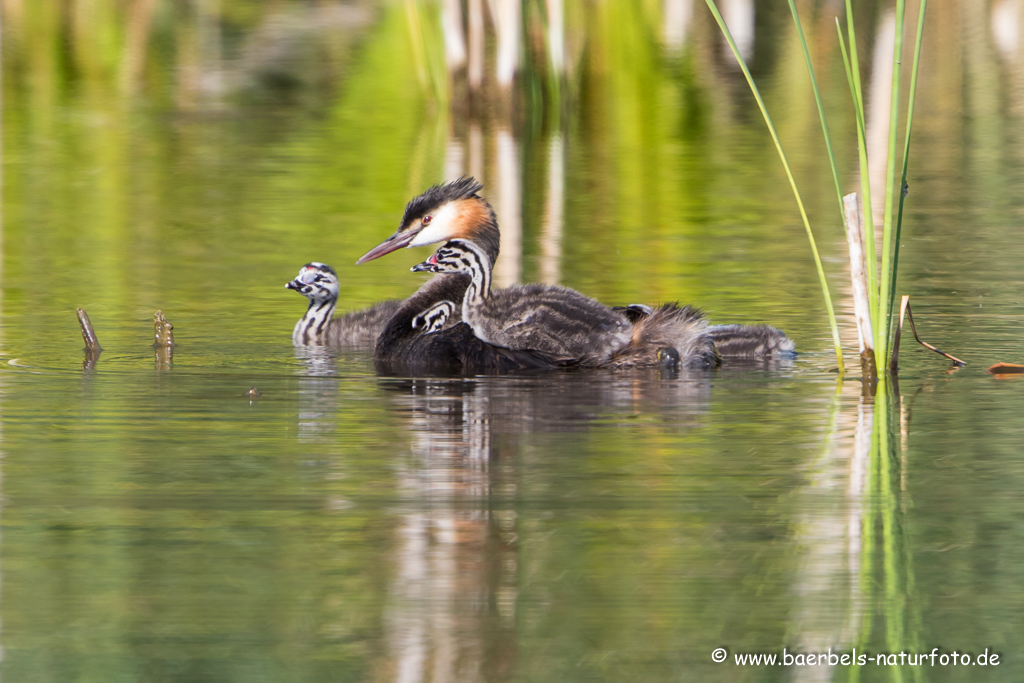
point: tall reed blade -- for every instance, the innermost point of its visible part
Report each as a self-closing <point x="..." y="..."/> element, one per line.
<point x="821" y="109"/>
<point x="906" y="158"/>
<point x="852" y="63"/>
<point x="792" y="181"/>
<point x="882" y="321"/>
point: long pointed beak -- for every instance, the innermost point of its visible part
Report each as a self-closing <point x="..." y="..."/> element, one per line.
<point x="393" y="243"/>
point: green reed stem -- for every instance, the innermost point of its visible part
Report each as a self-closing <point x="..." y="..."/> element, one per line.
<point x="821" y="111"/>
<point x="792" y="182"/>
<point x="883" y="313"/>
<point x="888" y="509"/>
<point x="852" y="64"/>
<point x="866" y="570"/>
<point x="906" y="158"/>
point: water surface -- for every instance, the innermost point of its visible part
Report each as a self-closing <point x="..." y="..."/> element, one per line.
<point x="160" y="525"/>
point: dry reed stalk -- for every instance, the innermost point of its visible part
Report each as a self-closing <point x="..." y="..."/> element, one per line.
<point x="859" y="278"/>
<point x="92" y="344"/>
<point x="905" y="308"/>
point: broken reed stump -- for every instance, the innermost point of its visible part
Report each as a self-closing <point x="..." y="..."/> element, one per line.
<point x="163" y="332"/>
<point x="92" y="344"/>
<point x="859" y="278"/>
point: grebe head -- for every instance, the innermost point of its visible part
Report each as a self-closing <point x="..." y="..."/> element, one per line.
<point x="316" y="281"/>
<point x="454" y="210"/>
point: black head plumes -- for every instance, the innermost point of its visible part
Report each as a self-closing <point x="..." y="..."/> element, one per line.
<point x="466" y="187"/>
<point x="444" y="212"/>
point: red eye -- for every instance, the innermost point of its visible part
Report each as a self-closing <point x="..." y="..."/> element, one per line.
<point x="427" y="219"/>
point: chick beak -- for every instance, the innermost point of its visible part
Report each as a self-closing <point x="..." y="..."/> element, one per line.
<point x="428" y="266"/>
<point x="393" y="243"/>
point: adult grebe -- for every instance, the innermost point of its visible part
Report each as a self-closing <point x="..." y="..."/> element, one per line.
<point x="401" y="347"/>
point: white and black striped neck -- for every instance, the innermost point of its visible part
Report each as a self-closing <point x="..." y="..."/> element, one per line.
<point x="464" y="256"/>
<point x="311" y="327"/>
<point x="319" y="283"/>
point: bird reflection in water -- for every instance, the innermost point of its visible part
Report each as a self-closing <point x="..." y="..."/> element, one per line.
<point x="318" y="391"/>
<point x="456" y="562"/>
<point x="451" y="611"/>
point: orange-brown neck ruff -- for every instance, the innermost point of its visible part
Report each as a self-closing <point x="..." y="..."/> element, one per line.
<point x="477" y="223"/>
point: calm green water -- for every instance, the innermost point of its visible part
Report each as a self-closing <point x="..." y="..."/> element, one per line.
<point x="158" y="525"/>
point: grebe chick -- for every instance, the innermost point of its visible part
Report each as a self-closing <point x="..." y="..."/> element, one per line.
<point x="567" y="325"/>
<point x="553" y="320"/>
<point x="751" y="341"/>
<point x="738" y="342"/>
<point x="319" y="283"/>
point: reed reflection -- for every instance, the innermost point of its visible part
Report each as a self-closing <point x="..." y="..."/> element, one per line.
<point x="855" y="586"/>
<point x="677" y="17"/>
<point x="488" y="150"/>
<point x="550" y="266"/>
<point x="830" y="598"/>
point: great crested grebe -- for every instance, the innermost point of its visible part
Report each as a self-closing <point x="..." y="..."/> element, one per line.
<point x="402" y="346"/>
<point x="319" y="283"/>
<point x="565" y="324"/>
<point x="455" y="210"/>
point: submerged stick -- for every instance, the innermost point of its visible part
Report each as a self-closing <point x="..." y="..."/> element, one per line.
<point x="905" y="307"/>
<point x="92" y="344"/>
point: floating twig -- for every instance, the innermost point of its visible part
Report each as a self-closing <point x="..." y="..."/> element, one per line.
<point x="92" y="344"/>
<point x="905" y="308"/>
<point x="1003" y="369"/>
